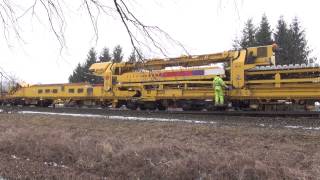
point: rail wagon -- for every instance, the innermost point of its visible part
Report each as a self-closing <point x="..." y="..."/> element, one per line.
<point x="50" y="94"/>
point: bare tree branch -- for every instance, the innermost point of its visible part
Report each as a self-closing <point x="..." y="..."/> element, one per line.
<point x="140" y="34"/>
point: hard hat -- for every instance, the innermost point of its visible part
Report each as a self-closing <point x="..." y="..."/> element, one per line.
<point x="274" y="46"/>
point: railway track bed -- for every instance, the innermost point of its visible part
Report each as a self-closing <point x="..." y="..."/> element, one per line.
<point x="178" y="111"/>
<point x="281" y="119"/>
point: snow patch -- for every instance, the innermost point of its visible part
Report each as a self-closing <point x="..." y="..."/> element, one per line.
<point x="304" y="128"/>
<point x="158" y="119"/>
<point x="128" y="118"/>
<point x="312" y="128"/>
<point x="14" y="157"/>
<point x="55" y="164"/>
<point x="62" y="114"/>
<point x="294" y="127"/>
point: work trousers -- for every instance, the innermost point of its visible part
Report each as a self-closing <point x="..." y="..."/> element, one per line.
<point x="219" y="96"/>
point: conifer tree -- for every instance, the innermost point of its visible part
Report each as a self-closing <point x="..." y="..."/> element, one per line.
<point x="248" y="35"/>
<point x="117" y="54"/>
<point x="88" y="76"/>
<point x="291" y="40"/>
<point x="299" y="51"/>
<point x="263" y="34"/>
<point x="105" y="55"/>
<point x="77" y="75"/>
<point x="236" y="44"/>
<point x="82" y="73"/>
<point x="282" y="38"/>
<point x="247" y="38"/>
<point x="132" y="57"/>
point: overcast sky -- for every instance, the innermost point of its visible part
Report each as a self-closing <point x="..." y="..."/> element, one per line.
<point x="203" y="26"/>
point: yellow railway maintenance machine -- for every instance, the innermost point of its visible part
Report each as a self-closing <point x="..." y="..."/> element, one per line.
<point x="257" y="83"/>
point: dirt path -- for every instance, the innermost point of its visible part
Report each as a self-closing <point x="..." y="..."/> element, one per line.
<point x="63" y="147"/>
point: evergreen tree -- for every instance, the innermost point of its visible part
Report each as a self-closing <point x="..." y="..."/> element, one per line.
<point x="299" y="51"/>
<point x="91" y="58"/>
<point x="117" y="54"/>
<point x="72" y="77"/>
<point x="132" y="57"/>
<point x="88" y="76"/>
<point x="282" y="38"/>
<point x="263" y="34"/>
<point x="105" y="55"/>
<point x="236" y="44"/>
<point x="82" y="73"/>
<point x="291" y="40"/>
<point x="77" y="75"/>
<point x="248" y="35"/>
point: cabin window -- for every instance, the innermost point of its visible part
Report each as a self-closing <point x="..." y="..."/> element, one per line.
<point x="262" y="52"/>
<point x="151" y="87"/>
<point x="90" y="91"/>
<point x="114" y="80"/>
<point x="40" y="91"/>
<point x="55" y="91"/>
<point x="117" y="71"/>
<point x="80" y="90"/>
<point x="47" y="91"/>
<point x="71" y="90"/>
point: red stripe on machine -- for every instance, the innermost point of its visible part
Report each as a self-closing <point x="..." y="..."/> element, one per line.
<point x="177" y="73"/>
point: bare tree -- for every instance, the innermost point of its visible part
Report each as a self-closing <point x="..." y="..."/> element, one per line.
<point x="7" y="82"/>
<point x="141" y="35"/>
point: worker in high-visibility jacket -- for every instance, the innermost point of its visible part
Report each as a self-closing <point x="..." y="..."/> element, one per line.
<point x="219" y="85"/>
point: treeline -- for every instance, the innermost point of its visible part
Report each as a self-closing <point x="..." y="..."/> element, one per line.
<point x="82" y="74"/>
<point x="291" y="39"/>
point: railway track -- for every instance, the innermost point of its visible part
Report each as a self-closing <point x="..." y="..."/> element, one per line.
<point x="288" y="120"/>
<point x="99" y="111"/>
<point x="291" y="114"/>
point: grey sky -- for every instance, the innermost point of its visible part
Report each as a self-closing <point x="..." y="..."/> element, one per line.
<point x="203" y="26"/>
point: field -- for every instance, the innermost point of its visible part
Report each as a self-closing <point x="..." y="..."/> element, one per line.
<point x="35" y="146"/>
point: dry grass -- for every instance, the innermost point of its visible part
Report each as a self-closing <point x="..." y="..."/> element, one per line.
<point x="96" y="148"/>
